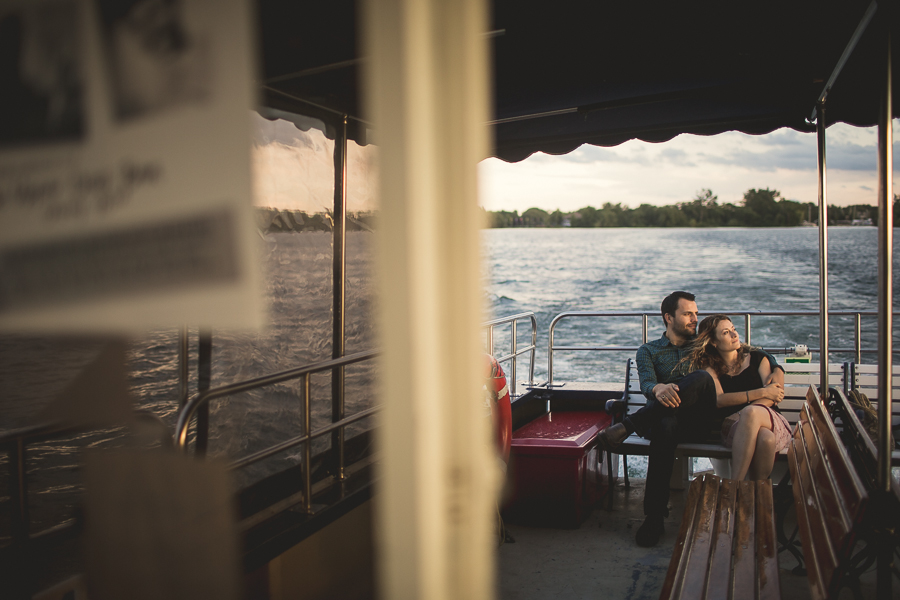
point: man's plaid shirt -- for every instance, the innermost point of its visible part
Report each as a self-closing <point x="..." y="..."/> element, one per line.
<point x="659" y="362"/>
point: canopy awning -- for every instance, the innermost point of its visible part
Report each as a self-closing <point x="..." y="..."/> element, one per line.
<point x="602" y="73"/>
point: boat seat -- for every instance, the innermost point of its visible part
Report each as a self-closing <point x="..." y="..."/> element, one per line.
<point x="726" y="545"/>
<point x="829" y="497"/>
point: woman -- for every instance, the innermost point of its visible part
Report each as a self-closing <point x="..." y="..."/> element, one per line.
<point x="747" y="393"/>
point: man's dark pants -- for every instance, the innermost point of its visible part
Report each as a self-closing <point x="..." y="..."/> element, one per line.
<point x="667" y="427"/>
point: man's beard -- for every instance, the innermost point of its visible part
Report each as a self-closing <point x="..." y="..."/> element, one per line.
<point x="684" y="331"/>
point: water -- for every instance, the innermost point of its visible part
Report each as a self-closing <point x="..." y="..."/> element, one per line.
<point x="298" y="267"/>
<point x="547" y="271"/>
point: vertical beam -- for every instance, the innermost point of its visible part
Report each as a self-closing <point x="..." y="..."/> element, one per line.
<point x="204" y="377"/>
<point x="885" y="302"/>
<point x="823" y="254"/>
<point x="339" y="279"/>
<point x="20" y="570"/>
<point x="427" y="94"/>
<point x="885" y="276"/>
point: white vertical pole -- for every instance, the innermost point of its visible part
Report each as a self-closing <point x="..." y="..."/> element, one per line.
<point x="426" y="84"/>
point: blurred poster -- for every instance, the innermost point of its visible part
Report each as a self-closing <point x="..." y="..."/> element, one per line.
<point x="125" y="190"/>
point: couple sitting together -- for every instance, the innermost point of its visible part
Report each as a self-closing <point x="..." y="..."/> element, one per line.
<point x="700" y="380"/>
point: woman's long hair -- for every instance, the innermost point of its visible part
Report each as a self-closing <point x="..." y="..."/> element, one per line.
<point x="703" y="354"/>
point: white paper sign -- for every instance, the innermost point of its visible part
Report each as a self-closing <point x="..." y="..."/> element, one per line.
<point x="125" y="186"/>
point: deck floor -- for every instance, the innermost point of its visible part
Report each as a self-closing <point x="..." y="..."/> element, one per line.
<point x="600" y="559"/>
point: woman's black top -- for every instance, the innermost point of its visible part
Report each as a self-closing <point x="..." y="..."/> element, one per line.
<point x="746" y="380"/>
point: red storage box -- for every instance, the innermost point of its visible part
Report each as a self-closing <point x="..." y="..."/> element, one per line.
<point x="555" y="466"/>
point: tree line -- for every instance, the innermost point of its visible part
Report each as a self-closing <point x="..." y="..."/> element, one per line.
<point x="758" y="208"/>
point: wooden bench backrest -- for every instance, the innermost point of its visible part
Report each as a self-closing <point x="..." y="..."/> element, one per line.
<point x="797" y="379"/>
<point x="828" y="495"/>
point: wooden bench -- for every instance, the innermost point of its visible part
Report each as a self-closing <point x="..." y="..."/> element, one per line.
<point x="726" y="545"/>
<point x="829" y="498"/>
<point x="880" y="528"/>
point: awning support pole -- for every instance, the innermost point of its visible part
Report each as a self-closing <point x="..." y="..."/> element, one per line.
<point x="885" y="318"/>
<point x="823" y="254"/>
<point x="339" y="278"/>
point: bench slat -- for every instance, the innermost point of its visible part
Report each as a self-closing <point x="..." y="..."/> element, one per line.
<point x="720" y="559"/>
<point x="808" y="453"/>
<point x="701" y="542"/>
<point x="799" y="477"/>
<point x="766" y="542"/>
<point x="745" y="539"/>
<point x="678" y="564"/>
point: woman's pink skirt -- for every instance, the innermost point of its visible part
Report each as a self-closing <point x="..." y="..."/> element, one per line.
<point x="780" y="427"/>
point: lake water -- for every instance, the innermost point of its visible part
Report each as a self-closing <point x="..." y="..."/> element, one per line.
<point x="546" y="271"/>
<point x="550" y="271"/>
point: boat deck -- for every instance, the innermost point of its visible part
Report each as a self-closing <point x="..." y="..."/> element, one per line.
<point x="601" y="560"/>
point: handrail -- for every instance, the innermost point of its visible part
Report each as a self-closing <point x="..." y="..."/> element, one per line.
<point x="857" y="349"/>
<point x="514" y="353"/>
<point x="187" y="413"/>
<point x="203" y="398"/>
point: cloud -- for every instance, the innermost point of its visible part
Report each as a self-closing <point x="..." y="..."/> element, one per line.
<point x="853" y="157"/>
<point x="587" y="154"/>
<point x="792" y="157"/>
<point x="676" y="156"/>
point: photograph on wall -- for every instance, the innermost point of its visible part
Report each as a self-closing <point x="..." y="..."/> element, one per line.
<point x="146" y="220"/>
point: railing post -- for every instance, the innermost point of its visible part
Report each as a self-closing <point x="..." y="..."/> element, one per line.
<point x="307" y="446"/>
<point x="550" y="356"/>
<point x="21" y="571"/>
<point x="490" y="340"/>
<point x="339" y="277"/>
<point x="747" y="326"/>
<point x="514" y="358"/>
<point x="204" y="377"/>
<point x="644" y="325"/>
<point x="533" y="349"/>
<point x="858" y="344"/>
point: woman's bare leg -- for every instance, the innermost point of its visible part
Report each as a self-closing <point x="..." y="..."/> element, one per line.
<point x="753" y="418"/>
<point x="764" y="457"/>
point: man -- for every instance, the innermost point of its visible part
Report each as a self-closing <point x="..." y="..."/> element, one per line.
<point x="681" y="407"/>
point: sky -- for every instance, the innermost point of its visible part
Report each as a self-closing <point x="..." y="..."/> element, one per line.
<point x="729" y="164"/>
<point x="294" y="169"/>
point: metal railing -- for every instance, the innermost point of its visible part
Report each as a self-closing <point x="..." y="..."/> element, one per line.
<point x="857" y="348"/>
<point x="303" y="373"/>
<point x="514" y="352"/>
